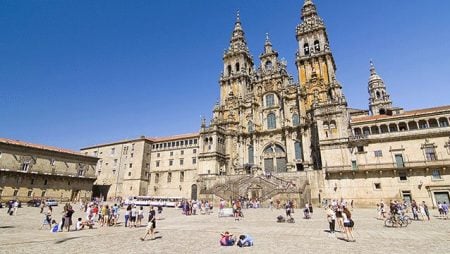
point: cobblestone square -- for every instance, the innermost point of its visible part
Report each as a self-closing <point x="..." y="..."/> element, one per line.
<point x="177" y="233"/>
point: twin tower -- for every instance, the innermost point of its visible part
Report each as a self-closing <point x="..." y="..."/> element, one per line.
<point x="266" y="122"/>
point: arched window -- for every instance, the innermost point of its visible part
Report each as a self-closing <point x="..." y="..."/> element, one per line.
<point x="423" y="124"/>
<point x="384" y="128"/>
<point x="268" y="65"/>
<point x="295" y="120"/>
<point x="251" y="155"/>
<point x="357" y="131"/>
<point x="274" y="159"/>
<point x="366" y="131"/>
<point x="298" y="150"/>
<point x="382" y="111"/>
<point x="271" y="121"/>
<point x="326" y="125"/>
<point x="316" y="46"/>
<point x="412" y="125"/>
<point x="306" y="48"/>
<point x="237" y="67"/>
<point x="443" y="122"/>
<point x="402" y="126"/>
<point x="250" y="126"/>
<point x="378" y="94"/>
<point x="393" y="127"/>
<point x="433" y="123"/>
<point x="374" y="129"/>
<point x="270" y="100"/>
<point x="332" y="124"/>
<point x="229" y="70"/>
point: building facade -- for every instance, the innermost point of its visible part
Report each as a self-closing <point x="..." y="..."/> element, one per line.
<point x="30" y="171"/>
<point x="273" y="137"/>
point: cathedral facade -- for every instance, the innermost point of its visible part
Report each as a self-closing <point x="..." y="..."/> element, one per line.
<point x="273" y="137"/>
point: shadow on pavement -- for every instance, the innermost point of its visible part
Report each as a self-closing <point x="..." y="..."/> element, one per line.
<point x="66" y="239"/>
<point x="7" y="227"/>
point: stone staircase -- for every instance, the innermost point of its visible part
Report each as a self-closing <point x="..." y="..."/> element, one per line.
<point x="268" y="185"/>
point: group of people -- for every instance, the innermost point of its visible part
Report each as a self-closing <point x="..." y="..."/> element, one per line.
<point x="194" y="207"/>
<point x="443" y="210"/>
<point x="227" y="239"/>
<point x="419" y="211"/>
<point x="337" y="212"/>
<point x="13" y="206"/>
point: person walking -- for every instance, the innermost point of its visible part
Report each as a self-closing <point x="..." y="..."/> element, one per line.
<point x="331" y="217"/>
<point x="425" y="208"/>
<point x="150" y="230"/>
<point x="348" y="224"/>
<point x="127" y="215"/>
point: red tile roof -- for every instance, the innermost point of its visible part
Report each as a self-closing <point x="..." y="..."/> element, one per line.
<point x="404" y="114"/>
<point x="42" y="147"/>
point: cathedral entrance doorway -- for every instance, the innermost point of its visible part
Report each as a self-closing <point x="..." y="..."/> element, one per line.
<point x="274" y="159"/>
<point x="194" y="192"/>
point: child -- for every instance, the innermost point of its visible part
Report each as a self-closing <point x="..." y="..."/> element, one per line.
<point x="54" y="227"/>
<point x="245" y="241"/>
<point x="80" y="224"/>
<point x="227" y="239"/>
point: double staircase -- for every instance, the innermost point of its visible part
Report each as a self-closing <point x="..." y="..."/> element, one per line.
<point x="268" y="186"/>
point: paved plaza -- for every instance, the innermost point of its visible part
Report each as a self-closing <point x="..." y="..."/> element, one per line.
<point x="177" y="233"/>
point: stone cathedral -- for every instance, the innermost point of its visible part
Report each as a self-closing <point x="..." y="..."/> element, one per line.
<point x="273" y="136"/>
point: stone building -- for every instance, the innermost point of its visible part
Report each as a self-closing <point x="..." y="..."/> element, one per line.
<point x="29" y="171"/>
<point x="146" y="166"/>
<point x="271" y="137"/>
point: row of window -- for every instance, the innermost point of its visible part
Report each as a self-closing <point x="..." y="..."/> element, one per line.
<point x="403" y="176"/>
<point x="158" y="163"/>
<point x="171" y="153"/>
<point x="169" y="177"/>
<point x="25" y="167"/>
<point x="428" y="149"/>
<point x="402" y="126"/>
<point x="181" y="143"/>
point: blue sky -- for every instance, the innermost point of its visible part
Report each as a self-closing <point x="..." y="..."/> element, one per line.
<point x="78" y="73"/>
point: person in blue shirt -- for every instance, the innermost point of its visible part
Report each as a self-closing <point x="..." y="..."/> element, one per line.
<point x="245" y="241"/>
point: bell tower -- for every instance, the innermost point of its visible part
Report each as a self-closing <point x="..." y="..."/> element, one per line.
<point x="379" y="101"/>
<point x="315" y="63"/>
<point x="237" y="65"/>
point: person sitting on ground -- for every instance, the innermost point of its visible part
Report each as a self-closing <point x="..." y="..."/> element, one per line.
<point x="245" y="241"/>
<point x="227" y="239"/>
<point x="80" y="224"/>
<point x="280" y="219"/>
<point x="54" y="227"/>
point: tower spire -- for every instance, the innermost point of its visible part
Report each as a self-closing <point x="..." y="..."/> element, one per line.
<point x="379" y="101"/>
<point x="309" y="9"/>
<point x="238" y="42"/>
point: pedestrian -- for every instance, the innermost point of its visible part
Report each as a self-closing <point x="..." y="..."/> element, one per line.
<point x="151" y="225"/>
<point x="16" y="207"/>
<point x="348" y="224"/>
<point x="133" y="216"/>
<point x="127" y="215"/>
<point x="140" y="216"/>
<point x="331" y="217"/>
<point x="425" y="208"/>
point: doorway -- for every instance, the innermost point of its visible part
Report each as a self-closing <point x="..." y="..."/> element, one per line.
<point x="407" y="196"/>
<point x="441" y="197"/>
<point x="194" y="192"/>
